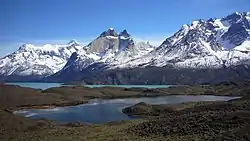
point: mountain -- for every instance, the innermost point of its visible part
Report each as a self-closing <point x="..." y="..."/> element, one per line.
<point x="113" y="48"/>
<point x="213" y="43"/>
<point x="108" y="50"/>
<point x="36" y="61"/>
<point x="205" y="51"/>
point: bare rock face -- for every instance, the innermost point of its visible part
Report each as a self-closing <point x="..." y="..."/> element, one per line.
<point x="106" y="42"/>
<point x="110" y="48"/>
<point x="109" y="43"/>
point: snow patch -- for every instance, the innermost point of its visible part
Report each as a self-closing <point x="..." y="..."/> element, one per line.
<point x="195" y="24"/>
<point x="245" y="46"/>
<point x="111" y="37"/>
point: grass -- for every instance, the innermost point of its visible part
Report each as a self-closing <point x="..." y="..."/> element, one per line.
<point x="204" y="121"/>
<point x="185" y="122"/>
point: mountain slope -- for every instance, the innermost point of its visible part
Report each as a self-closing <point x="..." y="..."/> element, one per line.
<point x="206" y="51"/>
<point x="30" y="60"/>
<point x="214" y="43"/>
<point x="106" y="51"/>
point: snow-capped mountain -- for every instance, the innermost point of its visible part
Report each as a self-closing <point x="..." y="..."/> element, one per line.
<point x="210" y="50"/>
<point x="109" y="48"/>
<point x="42" y="61"/>
<point x="30" y="60"/>
<point x="212" y="43"/>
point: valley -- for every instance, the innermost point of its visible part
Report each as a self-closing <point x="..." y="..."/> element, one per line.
<point x="194" y="85"/>
<point x="14" y="127"/>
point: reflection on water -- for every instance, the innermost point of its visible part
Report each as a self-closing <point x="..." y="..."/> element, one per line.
<point x="100" y="111"/>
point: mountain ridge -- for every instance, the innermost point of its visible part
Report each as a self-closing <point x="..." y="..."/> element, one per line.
<point x="211" y="45"/>
<point x="42" y="61"/>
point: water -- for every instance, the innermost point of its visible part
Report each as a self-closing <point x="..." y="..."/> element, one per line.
<point x="101" y="111"/>
<point x="129" y="86"/>
<point x="44" y="86"/>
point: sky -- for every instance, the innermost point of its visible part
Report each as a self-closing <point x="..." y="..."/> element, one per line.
<point x="41" y="22"/>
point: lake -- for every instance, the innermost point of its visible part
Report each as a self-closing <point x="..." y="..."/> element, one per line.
<point x="44" y="86"/>
<point x="101" y="111"/>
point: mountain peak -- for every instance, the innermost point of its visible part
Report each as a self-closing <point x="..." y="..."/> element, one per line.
<point x="234" y="17"/>
<point x="25" y="47"/>
<point x="237" y="14"/>
<point x="22" y="47"/>
<point x="185" y="27"/>
<point x="242" y="13"/>
<point x="196" y="23"/>
<point x="111" y="28"/>
<point x="109" y="32"/>
<point x="72" y="42"/>
<point x="124" y="33"/>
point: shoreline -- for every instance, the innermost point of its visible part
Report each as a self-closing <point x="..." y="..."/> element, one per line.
<point x="15" y="126"/>
<point x="141" y="93"/>
<point x="22" y="107"/>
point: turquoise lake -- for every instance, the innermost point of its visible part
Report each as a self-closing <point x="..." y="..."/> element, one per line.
<point x="49" y="85"/>
<point x="37" y="85"/>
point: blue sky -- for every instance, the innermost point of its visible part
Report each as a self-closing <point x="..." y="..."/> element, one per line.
<point x="58" y="21"/>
